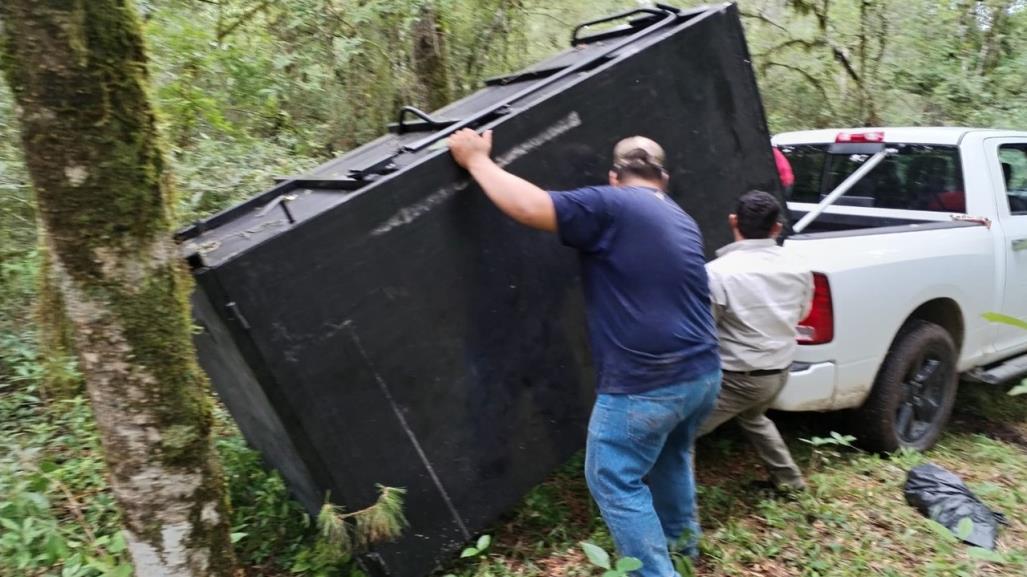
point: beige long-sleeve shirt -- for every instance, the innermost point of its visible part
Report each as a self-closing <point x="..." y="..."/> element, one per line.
<point x="759" y="294"/>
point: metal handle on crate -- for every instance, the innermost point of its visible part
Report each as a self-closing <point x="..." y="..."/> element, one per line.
<point x="651" y="11"/>
<point x="503" y="106"/>
<point x="433" y="122"/>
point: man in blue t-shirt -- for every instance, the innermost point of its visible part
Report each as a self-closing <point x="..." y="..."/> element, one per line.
<point x="653" y="339"/>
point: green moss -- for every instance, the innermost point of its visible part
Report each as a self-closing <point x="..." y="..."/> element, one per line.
<point x="177" y="438"/>
<point x="60" y="379"/>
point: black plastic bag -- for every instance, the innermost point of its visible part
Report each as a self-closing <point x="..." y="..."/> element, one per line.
<point x="941" y="495"/>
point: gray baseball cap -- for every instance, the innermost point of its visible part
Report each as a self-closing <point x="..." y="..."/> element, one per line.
<point x="635" y="149"/>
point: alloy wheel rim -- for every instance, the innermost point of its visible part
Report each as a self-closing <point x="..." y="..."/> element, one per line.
<point x="923" y="392"/>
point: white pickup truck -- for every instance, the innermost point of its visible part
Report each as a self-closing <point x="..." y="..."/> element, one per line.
<point x="913" y="234"/>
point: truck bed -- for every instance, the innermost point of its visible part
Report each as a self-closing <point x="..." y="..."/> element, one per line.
<point x="835" y="224"/>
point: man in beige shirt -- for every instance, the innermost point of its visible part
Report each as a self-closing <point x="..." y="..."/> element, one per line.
<point x="759" y="295"/>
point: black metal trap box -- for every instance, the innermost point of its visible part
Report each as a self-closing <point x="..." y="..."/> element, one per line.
<point x="378" y="321"/>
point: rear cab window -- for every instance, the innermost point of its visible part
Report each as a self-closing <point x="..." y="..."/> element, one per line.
<point x="1013" y="158"/>
<point x="917" y="177"/>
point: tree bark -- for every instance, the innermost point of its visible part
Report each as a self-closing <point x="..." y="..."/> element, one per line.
<point x="430" y="58"/>
<point x="77" y="70"/>
<point x="991" y="44"/>
<point x="56" y="337"/>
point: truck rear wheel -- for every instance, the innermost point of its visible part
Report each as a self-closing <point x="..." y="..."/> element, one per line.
<point x="914" y="391"/>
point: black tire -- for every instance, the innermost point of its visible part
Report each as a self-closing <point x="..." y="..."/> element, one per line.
<point x="913" y="393"/>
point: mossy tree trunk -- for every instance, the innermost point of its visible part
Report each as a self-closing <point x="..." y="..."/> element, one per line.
<point x="78" y="72"/>
<point x="56" y="336"/>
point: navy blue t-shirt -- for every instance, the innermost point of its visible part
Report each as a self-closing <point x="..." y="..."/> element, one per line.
<point x="644" y="275"/>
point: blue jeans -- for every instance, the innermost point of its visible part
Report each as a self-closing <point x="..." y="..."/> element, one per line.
<point x="638" y="464"/>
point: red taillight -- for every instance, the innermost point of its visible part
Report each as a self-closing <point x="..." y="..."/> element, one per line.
<point x="818" y="327"/>
<point x="873" y="136"/>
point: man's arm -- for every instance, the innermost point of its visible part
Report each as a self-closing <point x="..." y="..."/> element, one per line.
<point x="516" y="197"/>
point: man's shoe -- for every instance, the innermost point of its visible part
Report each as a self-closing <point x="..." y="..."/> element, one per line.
<point x="779" y="489"/>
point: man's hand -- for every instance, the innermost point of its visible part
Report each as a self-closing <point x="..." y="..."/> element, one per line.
<point x="516" y="197"/>
<point x="467" y="146"/>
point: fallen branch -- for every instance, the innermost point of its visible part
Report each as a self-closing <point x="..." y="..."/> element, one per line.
<point x="382" y="521"/>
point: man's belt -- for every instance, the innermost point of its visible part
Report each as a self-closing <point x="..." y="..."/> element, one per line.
<point x="757" y="372"/>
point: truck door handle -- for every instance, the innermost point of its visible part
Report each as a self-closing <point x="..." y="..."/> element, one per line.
<point x="1020" y="243"/>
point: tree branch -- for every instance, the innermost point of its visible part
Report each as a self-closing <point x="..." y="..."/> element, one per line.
<point x="806" y="44"/>
<point x="837" y="52"/>
<point x="763" y="18"/>
<point x="812" y="80"/>
<point x="843" y="59"/>
<point x="882" y="42"/>
<point x="246" y="16"/>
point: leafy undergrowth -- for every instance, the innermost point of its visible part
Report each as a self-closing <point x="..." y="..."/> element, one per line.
<point x="58" y="517"/>
<point x="853" y="522"/>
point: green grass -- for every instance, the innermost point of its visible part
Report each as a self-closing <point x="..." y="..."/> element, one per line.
<point x="853" y="522"/>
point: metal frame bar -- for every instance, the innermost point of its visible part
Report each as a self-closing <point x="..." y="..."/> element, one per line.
<point x="841" y="189"/>
<point x="519" y="77"/>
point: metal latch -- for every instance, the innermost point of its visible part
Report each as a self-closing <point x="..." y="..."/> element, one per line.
<point x="282" y="201"/>
<point x="234" y="312"/>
